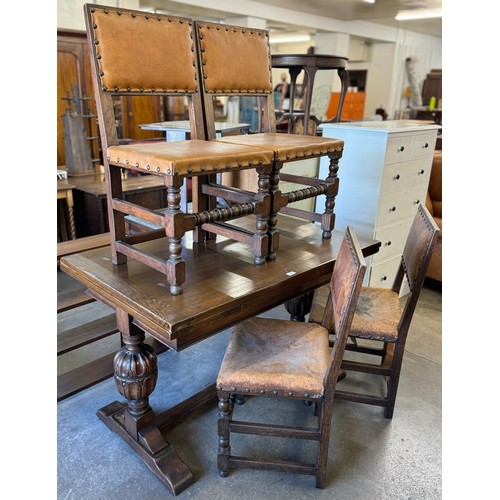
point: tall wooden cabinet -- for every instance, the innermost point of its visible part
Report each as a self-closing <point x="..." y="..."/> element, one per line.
<point x="384" y="174"/>
<point x="73" y="72"/>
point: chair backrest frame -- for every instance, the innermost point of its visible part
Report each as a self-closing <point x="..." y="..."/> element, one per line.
<point x="345" y="286"/>
<point x="128" y="52"/>
<point x="417" y="253"/>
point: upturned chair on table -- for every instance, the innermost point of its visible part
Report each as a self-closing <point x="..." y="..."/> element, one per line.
<point x="271" y="358"/>
<point x="379" y="316"/>
<point x="236" y="61"/>
<point x="144" y="54"/>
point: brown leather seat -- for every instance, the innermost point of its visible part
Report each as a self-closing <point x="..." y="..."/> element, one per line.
<point x="380" y="317"/>
<point x="236" y="61"/>
<point x="143" y="54"/>
<point x="289" y="360"/>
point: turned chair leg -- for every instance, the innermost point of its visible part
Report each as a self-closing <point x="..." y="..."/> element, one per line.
<point x="226" y="405"/>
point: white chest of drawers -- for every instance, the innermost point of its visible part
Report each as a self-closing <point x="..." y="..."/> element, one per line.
<point x="384" y="174"/>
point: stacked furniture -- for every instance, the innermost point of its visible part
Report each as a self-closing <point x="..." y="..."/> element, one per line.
<point x="199" y="61"/>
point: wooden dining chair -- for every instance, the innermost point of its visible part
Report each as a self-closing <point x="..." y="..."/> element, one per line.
<point x="236" y="61"/>
<point x="144" y="54"/>
<point x="380" y="325"/>
<point x="272" y="358"/>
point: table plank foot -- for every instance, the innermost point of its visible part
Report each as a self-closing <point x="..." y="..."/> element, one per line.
<point x="157" y="453"/>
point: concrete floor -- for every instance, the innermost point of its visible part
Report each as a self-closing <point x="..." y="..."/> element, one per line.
<point x="370" y="457"/>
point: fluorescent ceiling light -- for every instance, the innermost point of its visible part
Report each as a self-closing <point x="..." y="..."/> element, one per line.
<point x="408" y="15"/>
<point x="290" y="38"/>
<point x="369" y="1"/>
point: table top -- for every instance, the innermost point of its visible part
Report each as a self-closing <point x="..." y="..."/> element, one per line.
<point x="222" y="287"/>
<point x="183" y="126"/>
<point x="64" y="185"/>
<point x="320" y="61"/>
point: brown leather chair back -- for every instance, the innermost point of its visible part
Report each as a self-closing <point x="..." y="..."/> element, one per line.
<point x="129" y="53"/>
<point x="235" y="61"/>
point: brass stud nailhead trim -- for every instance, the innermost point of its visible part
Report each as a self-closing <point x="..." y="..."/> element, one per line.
<point x="189" y="170"/>
<point x="176" y="172"/>
<point x="157" y="169"/>
<point x="148" y="167"/>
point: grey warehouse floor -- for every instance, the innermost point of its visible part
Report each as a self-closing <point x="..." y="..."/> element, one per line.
<point x="370" y="457"/>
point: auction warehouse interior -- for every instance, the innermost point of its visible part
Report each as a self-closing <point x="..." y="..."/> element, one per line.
<point x="249" y="249"/>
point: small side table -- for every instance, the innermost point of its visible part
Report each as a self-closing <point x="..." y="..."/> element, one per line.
<point x="310" y="63"/>
<point x="179" y="130"/>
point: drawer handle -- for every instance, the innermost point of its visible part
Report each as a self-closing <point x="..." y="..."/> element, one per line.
<point x="384" y="278"/>
<point x="388" y="243"/>
<point x="416" y="202"/>
<point x="425" y="145"/>
<point x="393" y="209"/>
<point x="397" y="177"/>
<point x="420" y="172"/>
<point x="401" y="148"/>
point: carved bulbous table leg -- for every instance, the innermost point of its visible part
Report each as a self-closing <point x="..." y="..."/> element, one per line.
<point x="300" y="307"/>
<point x="136" y="373"/>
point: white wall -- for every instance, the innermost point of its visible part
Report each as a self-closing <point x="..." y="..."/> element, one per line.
<point x="379" y="70"/>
